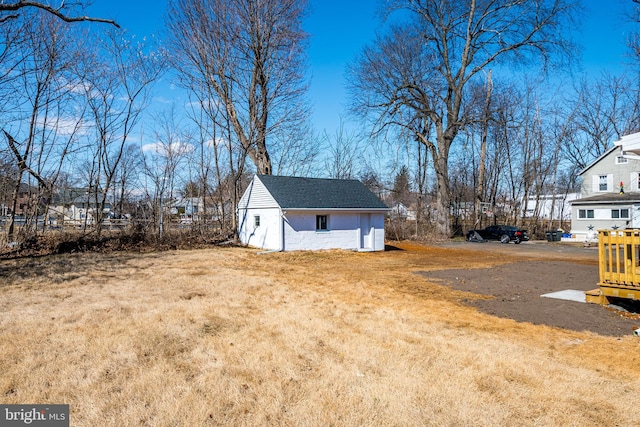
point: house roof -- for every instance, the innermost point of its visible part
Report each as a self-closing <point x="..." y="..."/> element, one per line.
<point x="72" y="196"/>
<point x="318" y="193"/>
<point x="611" y="198"/>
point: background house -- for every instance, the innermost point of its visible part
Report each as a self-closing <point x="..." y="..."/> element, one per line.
<point x="609" y="195"/>
<point x="554" y="207"/>
<point x="292" y="213"/>
<point x="75" y="206"/>
<point x="25" y="200"/>
<point x="402" y="212"/>
<point x="187" y="209"/>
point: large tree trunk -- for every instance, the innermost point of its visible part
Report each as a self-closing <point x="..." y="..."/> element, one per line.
<point x="443" y="197"/>
<point x="483" y="154"/>
<point x="262" y="160"/>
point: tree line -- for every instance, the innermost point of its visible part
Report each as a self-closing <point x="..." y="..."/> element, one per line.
<point x="458" y="110"/>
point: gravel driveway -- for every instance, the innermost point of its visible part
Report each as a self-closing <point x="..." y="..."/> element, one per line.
<point x="517" y="287"/>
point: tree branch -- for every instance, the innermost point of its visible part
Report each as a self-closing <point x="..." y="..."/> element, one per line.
<point x="22" y="164"/>
<point x="11" y="7"/>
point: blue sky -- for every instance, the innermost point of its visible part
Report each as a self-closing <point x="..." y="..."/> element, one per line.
<point x="340" y="28"/>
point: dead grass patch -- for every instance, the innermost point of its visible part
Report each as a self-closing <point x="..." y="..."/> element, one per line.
<point x="229" y="337"/>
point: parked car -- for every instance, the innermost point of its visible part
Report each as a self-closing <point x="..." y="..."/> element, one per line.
<point x="504" y="233"/>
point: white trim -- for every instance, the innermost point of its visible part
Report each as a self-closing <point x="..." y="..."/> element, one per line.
<point x="629" y="143"/>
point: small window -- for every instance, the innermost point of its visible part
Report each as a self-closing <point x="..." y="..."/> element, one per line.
<point x="619" y="213"/>
<point x="321" y="223"/>
<point x="621" y="160"/>
<point x="256" y="220"/>
<point x="585" y="213"/>
<point x="603" y="183"/>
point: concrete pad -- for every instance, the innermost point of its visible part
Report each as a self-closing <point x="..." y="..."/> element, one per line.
<point x="568" y="294"/>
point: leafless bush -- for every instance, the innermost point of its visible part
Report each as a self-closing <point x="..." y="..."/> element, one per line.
<point x="136" y="238"/>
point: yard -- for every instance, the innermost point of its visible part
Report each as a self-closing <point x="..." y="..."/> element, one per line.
<point x="228" y="336"/>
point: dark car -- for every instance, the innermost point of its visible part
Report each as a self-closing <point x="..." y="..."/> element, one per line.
<point x="504" y="233"/>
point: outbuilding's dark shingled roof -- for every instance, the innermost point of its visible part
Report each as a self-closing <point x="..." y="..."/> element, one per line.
<point x="319" y="193"/>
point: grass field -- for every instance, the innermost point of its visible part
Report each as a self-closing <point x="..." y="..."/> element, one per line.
<point x="228" y="337"/>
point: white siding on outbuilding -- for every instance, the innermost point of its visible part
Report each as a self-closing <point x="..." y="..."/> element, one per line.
<point x="346" y="230"/>
<point x="258" y="196"/>
<point x="266" y="235"/>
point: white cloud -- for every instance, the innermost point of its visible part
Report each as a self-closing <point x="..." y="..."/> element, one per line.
<point x="217" y="142"/>
<point x="166" y="150"/>
<point x="163" y="100"/>
<point x="64" y="126"/>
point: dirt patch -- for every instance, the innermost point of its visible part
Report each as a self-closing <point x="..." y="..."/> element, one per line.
<point x="515" y="290"/>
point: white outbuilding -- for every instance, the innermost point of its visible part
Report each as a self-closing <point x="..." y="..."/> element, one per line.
<point x="282" y="213"/>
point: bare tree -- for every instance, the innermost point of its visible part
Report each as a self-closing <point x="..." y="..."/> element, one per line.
<point x="42" y="105"/>
<point x="296" y="151"/>
<point x="162" y="161"/>
<point x="414" y="78"/>
<point x="249" y="54"/>
<point x="604" y="109"/>
<point x="485" y="119"/>
<point x="12" y="10"/>
<point x="126" y="177"/>
<point x="117" y="86"/>
<point x="634" y="39"/>
<point x="206" y="160"/>
<point x="343" y="152"/>
<point x="25" y="58"/>
<point x="528" y="129"/>
<point x="220" y="159"/>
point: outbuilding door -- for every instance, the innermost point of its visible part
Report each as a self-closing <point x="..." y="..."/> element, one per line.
<point x="365" y="232"/>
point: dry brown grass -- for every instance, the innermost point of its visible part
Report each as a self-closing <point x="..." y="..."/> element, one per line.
<point x="229" y="337"/>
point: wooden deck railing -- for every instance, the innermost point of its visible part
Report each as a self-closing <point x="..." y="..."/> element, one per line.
<point x="619" y="258"/>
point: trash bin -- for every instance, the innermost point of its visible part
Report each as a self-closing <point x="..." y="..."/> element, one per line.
<point x="553" y="236"/>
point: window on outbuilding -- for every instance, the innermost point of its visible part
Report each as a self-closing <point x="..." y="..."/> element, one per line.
<point x="256" y="220"/>
<point x="321" y="223"/>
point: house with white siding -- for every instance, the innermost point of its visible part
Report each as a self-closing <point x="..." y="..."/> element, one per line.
<point x="555" y="207"/>
<point x="610" y="192"/>
<point x="282" y="213"/>
<point x="76" y="206"/>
